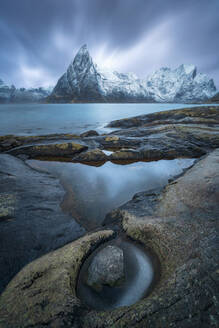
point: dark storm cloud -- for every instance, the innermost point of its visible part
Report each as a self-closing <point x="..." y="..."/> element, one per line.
<point x="39" y="38"/>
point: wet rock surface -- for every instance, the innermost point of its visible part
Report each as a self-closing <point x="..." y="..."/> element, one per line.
<point x="46" y="290"/>
<point x="91" y="156"/>
<point x="90" y="133"/>
<point x="31" y="220"/>
<point x="202" y="114"/>
<point x="178" y="223"/>
<point x="67" y="149"/>
<point x="189" y="132"/>
<point x="106" y="268"/>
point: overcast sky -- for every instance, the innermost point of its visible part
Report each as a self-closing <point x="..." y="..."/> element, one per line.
<point x="39" y="38"/>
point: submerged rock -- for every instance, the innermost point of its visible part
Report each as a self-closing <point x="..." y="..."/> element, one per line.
<point x="106" y="268"/>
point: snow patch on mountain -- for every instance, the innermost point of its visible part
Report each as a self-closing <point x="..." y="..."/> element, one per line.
<point x="9" y="94"/>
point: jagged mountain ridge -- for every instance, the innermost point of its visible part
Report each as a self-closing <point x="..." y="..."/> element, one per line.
<point x="9" y="94"/>
<point x="84" y="81"/>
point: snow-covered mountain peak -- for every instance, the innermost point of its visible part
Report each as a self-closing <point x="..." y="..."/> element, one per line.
<point x="85" y="81"/>
<point x="189" y="70"/>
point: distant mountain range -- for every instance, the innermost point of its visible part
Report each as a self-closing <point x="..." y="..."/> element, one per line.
<point x="9" y="94"/>
<point x="84" y="81"/>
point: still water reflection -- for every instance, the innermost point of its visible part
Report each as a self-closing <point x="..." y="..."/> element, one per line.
<point x="91" y="192"/>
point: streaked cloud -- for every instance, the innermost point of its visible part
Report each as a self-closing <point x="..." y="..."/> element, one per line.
<point x="40" y="38"/>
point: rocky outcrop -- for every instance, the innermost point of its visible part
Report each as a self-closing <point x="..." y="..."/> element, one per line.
<point x="84" y="81"/>
<point x="177" y="223"/>
<point x="47" y="289"/>
<point x="106" y="268"/>
<point x="66" y="149"/>
<point x="90" y="133"/>
<point x="190" y="132"/>
<point x="193" y="115"/>
<point x="31" y="220"/>
<point x="8" y="142"/>
<point x="92" y="156"/>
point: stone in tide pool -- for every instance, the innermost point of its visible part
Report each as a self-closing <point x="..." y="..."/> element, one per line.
<point x="106" y="268"/>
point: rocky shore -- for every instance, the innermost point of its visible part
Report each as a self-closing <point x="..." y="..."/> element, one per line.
<point x="190" y="132"/>
<point x="178" y="224"/>
<point x="31" y="219"/>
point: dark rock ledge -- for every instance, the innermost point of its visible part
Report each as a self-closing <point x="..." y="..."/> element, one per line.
<point x="31" y="220"/>
<point x="178" y="223"/>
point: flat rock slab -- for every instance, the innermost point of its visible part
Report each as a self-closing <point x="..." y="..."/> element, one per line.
<point x="193" y="115"/>
<point x="66" y="149"/>
<point x="91" y="156"/>
<point x="31" y="220"/>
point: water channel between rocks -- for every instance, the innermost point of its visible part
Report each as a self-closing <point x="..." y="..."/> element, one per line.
<point x="92" y="192"/>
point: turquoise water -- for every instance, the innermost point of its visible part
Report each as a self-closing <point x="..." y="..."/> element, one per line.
<point x="36" y="119"/>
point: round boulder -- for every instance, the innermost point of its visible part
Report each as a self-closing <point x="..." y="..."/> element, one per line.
<point x="106" y="268"/>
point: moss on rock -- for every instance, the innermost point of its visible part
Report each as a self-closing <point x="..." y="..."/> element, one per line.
<point x="43" y="293"/>
<point x="67" y="149"/>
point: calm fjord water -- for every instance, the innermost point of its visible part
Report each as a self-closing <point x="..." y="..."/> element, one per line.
<point x="36" y="119"/>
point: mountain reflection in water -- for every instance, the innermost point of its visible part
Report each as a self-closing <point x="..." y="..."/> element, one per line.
<point x="91" y="192"/>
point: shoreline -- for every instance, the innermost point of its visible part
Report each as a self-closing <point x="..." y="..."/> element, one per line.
<point x="176" y="223"/>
